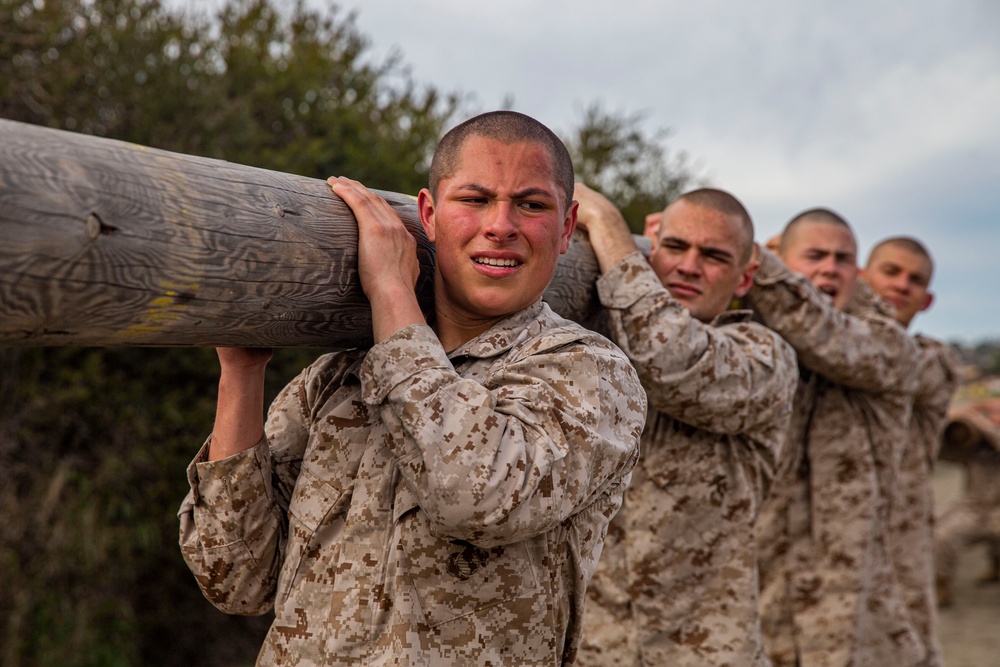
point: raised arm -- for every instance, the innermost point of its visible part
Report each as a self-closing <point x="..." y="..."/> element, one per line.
<point x="862" y="348"/>
<point x="492" y="460"/>
<point x="239" y="415"/>
<point x="721" y="379"/>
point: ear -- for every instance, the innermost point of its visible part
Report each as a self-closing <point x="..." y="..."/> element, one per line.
<point x="927" y="301"/>
<point x="652" y="228"/>
<point x="746" y="278"/>
<point x="425" y="209"/>
<point x="569" y="224"/>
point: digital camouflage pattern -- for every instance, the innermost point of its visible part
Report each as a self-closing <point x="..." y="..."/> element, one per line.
<point x="973" y="517"/>
<point x="412" y="507"/>
<point x="829" y="591"/>
<point x="912" y="517"/>
<point x="677" y="583"/>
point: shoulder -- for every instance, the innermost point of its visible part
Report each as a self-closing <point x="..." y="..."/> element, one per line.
<point x="327" y="374"/>
<point x="550" y="332"/>
<point x="566" y="351"/>
<point x="933" y="351"/>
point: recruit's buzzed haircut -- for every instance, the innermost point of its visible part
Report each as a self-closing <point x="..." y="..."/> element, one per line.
<point x="727" y="204"/>
<point x="906" y="243"/>
<point x="507" y="127"/>
<point x="812" y="215"/>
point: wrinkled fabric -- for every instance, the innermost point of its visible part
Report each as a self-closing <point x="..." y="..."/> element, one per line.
<point x="829" y="591"/>
<point x="912" y="512"/>
<point x="677" y="583"/>
<point x="412" y="507"/>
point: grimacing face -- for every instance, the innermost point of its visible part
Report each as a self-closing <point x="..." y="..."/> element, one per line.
<point x="499" y="224"/>
<point x="901" y="277"/>
<point x="825" y="253"/>
<point x="698" y="258"/>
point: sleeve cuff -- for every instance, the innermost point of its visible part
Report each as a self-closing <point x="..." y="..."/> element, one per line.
<point x="221" y="484"/>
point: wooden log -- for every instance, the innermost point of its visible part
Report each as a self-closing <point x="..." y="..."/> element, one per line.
<point x="113" y="244"/>
<point x="969" y="434"/>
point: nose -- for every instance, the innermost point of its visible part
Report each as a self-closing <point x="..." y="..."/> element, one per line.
<point x="689" y="263"/>
<point x="901" y="285"/>
<point x="828" y="267"/>
<point x="501" y="225"/>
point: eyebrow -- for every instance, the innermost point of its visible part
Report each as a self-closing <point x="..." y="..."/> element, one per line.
<point x="521" y="194"/>
<point x="702" y="249"/>
<point x="836" y="253"/>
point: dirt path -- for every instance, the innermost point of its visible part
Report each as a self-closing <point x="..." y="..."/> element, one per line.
<point x="970" y="628"/>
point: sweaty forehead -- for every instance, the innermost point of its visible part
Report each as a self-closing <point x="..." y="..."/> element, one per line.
<point x="902" y="257"/>
<point x="705" y="227"/>
<point x="820" y="235"/>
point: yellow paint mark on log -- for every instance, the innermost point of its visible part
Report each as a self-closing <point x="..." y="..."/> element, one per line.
<point x="162" y="311"/>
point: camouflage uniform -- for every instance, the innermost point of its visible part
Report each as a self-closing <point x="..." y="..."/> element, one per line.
<point x="912" y="516"/>
<point x="677" y="583"/>
<point x="829" y="592"/>
<point x="412" y="507"/>
<point x="974" y="517"/>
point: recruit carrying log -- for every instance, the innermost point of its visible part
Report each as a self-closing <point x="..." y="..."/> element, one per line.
<point x="108" y="243"/>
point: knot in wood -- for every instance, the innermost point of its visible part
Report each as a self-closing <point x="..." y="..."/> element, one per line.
<point x="93" y="226"/>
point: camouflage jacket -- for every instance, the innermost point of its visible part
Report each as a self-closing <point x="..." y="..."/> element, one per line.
<point x="412" y="507"/>
<point x="677" y="583"/>
<point x="912" y="511"/>
<point x="829" y="592"/>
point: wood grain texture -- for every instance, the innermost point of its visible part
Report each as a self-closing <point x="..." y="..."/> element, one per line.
<point x="113" y="244"/>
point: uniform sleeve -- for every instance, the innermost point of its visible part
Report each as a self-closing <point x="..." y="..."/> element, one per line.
<point x="233" y="522"/>
<point x="231" y="530"/>
<point x="552" y="430"/>
<point x="938" y="373"/>
<point x="937" y="380"/>
<point x="864" y="350"/>
<point x="730" y="379"/>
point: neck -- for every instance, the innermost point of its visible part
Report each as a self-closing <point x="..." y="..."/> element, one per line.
<point x="453" y="332"/>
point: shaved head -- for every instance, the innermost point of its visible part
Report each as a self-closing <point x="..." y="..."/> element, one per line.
<point x="507" y="127"/>
<point x="727" y="204"/>
<point x="907" y="243"/>
<point x="823" y="215"/>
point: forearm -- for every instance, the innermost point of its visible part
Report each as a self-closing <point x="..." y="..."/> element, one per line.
<point x="393" y="309"/>
<point x="609" y="234"/>
<point x="239" y="417"/>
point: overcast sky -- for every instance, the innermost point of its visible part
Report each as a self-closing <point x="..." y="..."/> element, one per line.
<point x="888" y="112"/>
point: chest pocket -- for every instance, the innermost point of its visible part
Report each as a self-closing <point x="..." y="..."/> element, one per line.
<point x="453" y="578"/>
<point x="309" y="532"/>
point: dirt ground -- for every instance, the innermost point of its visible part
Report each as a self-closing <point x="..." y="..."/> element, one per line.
<point x="970" y="628"/>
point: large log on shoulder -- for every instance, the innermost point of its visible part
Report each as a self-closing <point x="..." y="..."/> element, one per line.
<point x="108" y="243"/>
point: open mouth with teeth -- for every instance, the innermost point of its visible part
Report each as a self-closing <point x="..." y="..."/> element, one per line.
<point x="829" y="291"/>
<point x="493" y="261"/>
